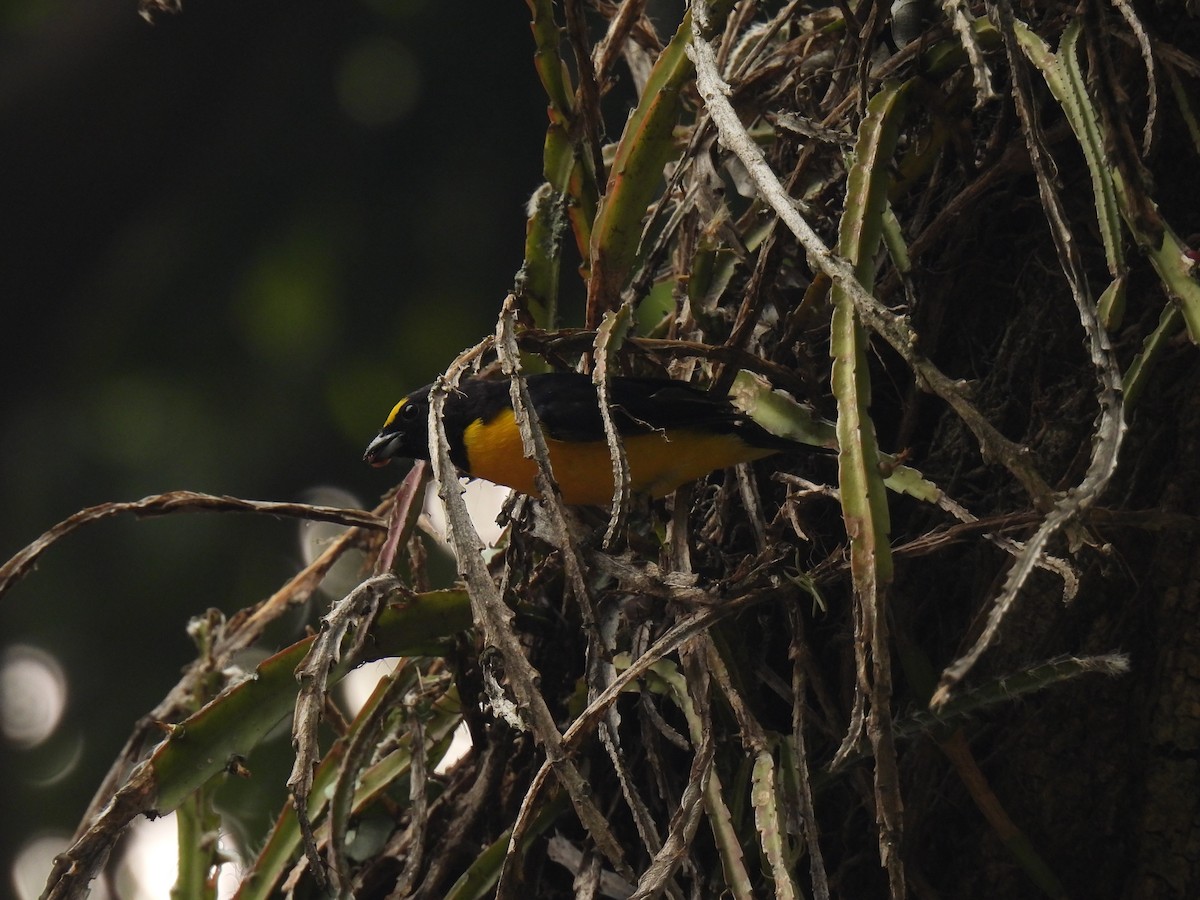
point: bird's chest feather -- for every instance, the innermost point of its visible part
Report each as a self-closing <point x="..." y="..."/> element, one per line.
<point x="583" y="469"/>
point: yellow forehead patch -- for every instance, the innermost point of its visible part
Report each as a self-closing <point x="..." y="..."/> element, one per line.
<point x="395" y="412"/>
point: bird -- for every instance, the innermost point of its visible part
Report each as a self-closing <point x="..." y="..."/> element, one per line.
<point x="673" y="433"/>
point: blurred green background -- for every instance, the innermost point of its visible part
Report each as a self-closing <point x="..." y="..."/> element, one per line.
<point x="231" y="240"/>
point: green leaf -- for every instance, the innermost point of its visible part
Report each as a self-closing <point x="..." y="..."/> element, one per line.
<point x="646" y="144"/>
<point x="237" y="719"/>
<point x="1167" y="253"/>
<point x="864" y="499"/>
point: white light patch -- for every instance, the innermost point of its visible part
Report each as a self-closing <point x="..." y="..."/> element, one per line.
<point x="151" y="863"/>
<point x="33" y="695"/>
<point x="483" y="500"/>
<point x="316" y="537"/>
<point x="459" y="745"/>
<point x="32" y="865"/>
<point x="356" y="688"/>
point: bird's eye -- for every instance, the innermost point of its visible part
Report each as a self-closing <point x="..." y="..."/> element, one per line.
<point x="409" y="412"/>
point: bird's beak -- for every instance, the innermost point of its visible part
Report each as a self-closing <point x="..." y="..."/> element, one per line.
<point x="381" y="450"/>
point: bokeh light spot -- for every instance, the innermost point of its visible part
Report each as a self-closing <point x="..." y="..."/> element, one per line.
<point x="57" y="759"/>
<point x="33" y="695"/>
<point x="379" y="82"/>
<point x="141" y="420"/>
<point x="32" y="865"/>
<point x="286" y="306"/>
<point x="316" y="538"/>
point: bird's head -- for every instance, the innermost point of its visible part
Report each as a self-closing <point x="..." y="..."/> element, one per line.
<point x="405" y="432"/>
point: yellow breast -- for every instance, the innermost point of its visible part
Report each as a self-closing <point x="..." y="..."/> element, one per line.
<point x="658" y="462"/>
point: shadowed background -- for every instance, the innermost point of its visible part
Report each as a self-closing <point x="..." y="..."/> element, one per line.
<point x="231" y="240"/>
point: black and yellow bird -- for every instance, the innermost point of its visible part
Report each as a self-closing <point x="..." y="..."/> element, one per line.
<point x="672" y="432"/>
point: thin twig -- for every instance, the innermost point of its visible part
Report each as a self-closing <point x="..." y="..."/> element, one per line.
<point x="1110" y="427"/>
<point x="357" y="607"/>
<point x="893" y="328"/>
<point x="173" y="502"/>
<point x="1143" y="41"/>
<point x="959" y="14"/>
<point x="494" y="619"/>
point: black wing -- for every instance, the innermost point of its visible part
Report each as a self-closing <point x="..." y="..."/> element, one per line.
<point x="567" y="405"/>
